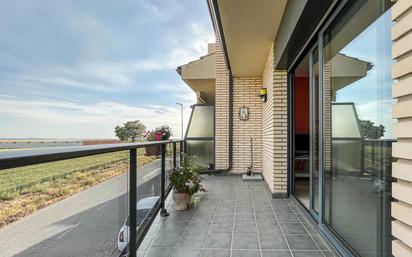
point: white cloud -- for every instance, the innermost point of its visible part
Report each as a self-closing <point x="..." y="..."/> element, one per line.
<point x="77" y="120"/>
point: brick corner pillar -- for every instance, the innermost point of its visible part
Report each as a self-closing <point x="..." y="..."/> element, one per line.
<point x="402" y="111"/>
<point x="280" y="131"/>
<point x="221" y="108"/>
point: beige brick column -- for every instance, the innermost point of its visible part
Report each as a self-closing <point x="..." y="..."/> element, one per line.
<point x="221" y="108"/>
<point x="280" y="146"/>
<point x="268" y="132"/>
<point x="402" y="111"/>
<point x="275" y="128"/>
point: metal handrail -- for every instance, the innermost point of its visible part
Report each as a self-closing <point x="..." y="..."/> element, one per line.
<point x="20" y="158"/>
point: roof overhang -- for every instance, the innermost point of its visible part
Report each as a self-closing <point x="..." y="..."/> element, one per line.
<point x="248" y="29"/>
<point x="200" y="76"/>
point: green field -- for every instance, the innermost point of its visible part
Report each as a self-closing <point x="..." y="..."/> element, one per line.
<point x="12" y="181"/>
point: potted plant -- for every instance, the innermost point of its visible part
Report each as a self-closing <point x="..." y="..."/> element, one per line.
<point x="158" y="134"/>
<point x="186" y="181"/>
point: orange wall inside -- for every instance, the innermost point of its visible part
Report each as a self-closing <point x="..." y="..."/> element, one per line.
<point x="302" y="111"/>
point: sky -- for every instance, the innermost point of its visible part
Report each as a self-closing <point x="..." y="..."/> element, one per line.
<point x="372" y="94"/>
<point x="76" y="69"/>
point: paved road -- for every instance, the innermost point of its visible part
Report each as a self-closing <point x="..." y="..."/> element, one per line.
<point x="85" y="224"/>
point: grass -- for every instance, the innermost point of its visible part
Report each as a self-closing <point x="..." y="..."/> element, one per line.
<point x="27" y="189"/>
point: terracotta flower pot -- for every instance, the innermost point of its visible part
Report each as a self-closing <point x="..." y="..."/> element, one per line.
<point x="153" y="150"/>
<point x="181" y="200"/>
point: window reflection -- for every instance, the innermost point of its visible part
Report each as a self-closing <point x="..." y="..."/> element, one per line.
<point x="357" y="128"/>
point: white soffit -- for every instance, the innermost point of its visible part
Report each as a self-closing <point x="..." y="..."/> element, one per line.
<point x="249" y="28"/>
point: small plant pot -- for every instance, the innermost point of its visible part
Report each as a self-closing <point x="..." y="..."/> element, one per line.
<point x="153" y="150"/>
<point x="181" y="200"/>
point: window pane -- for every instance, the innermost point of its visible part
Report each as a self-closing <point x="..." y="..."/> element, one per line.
<point x="201" y="124"/>
<point x="201" y="150"/>
<point x="357" y="127"/>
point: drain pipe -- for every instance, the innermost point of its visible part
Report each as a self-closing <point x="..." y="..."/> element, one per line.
<point x="214" y="12"/>
<point x="230" y="121"/>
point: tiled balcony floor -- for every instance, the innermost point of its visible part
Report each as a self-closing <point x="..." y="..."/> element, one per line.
<point x="234" y="219"/>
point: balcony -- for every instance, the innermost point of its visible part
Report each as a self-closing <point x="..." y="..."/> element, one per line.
<point x="234" y="218"/>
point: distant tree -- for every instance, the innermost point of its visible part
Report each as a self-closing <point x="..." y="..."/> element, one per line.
<point x="131" y="131"/>
<point x="370" y="131"/>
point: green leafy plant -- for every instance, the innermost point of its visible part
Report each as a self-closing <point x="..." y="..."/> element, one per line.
<point x="187" y="179"/>
<point x="131" y="131"/>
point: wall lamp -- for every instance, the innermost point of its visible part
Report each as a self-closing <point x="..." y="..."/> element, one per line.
<point x="263" y="94"/>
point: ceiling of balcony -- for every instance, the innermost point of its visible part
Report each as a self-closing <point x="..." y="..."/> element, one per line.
<point x="249" y="28"/>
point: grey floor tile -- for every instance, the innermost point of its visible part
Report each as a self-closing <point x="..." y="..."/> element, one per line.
<point x="328" y="254"/>
<point x="174" y="227"/>
<point x="269" y="228"/>
<point x="227" y="203"/>
<point x="276" y="254"/>
<point x="307" y="254"/>
<point x="287" y="217"/>
<point x="145" y="243"/>
<point x="215" y="253"/>
<point x="185" y="252"/>
<point x="302" y="218"/>
<point x="224" y="218"/>
<point x="282" y="209"/>
<point x="245" y="253"/>
<point x="301" y="242"/>
<point x="261" y="204"/>
<point x="226" y="209"/>
<point x="310" y="228"/>
<point x="245" y="217"/>
<point x="221" y="228"/>
<point x="203" y="217"/>
<point x="278" y="203"/>
<point x="263" y="210"/>
<point x="244" y="202"/>
<point x="218" y="241"/>
<point x="245" y="241"/>
<point x="319" y="242"/>
<point x="209" y="224"/>
<point x="191" y="241"/>
<point x="245" y="228"/>
<point x="159" y="252"/>
<point x="265" y="217"/>
<point x="273" y="242"/>
<point x="293" y="228"/>
<point x="244" y="209"/>
<point x="296" y="209"/>
<point x="181" y="217"/>
<point x="166" y="240"/>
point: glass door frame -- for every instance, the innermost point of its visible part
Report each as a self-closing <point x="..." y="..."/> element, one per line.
<point x="312" y="95"/>
<point x="316" y="40"/>
<point x="312" y="107"/>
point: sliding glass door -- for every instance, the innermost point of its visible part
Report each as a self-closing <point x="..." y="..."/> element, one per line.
<point x="306" y="131"/>
<point x="314" y="130"/>
<point x="341" y="134"/>
<point x="357" y="128"/>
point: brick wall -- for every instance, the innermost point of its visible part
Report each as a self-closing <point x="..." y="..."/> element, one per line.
<point x="221" y="109"/>
<point x="246" y="93"/>
<point x="402" y="111"/>
<point x="268" y="132"/>
<point x="275" y="128"/>
<point x="280" y="146"/>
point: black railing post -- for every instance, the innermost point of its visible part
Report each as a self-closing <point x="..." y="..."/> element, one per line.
<point x="163" y="211"/>
<point x="181" y="153"/>
<point x="132" y="202"/>
<point x="174" y="155"/>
